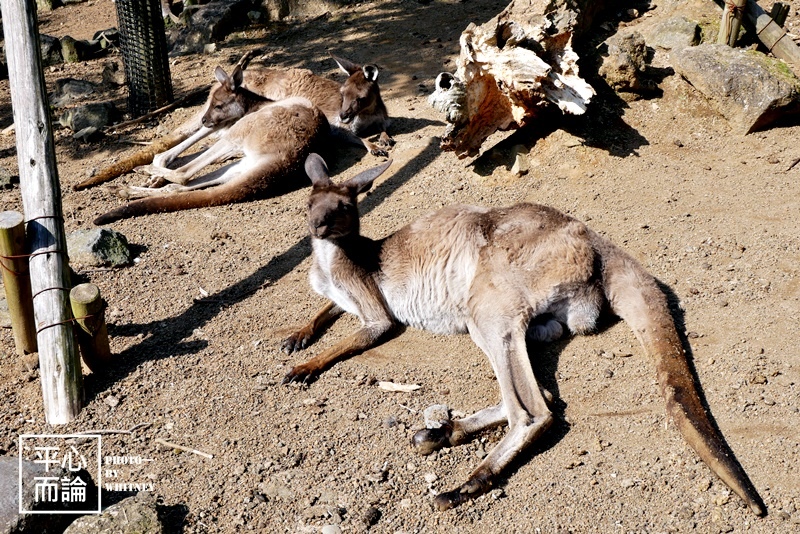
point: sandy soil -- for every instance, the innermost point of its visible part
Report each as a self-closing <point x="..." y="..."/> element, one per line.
<point x="196" y="322"/>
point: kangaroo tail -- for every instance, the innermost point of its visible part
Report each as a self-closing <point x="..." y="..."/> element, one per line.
<point x="635" y="296"/>
<point x="278" y="175"/>
<point x="201" y="198"/>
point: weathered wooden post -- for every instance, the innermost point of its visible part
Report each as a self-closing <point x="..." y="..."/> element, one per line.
<point x="88" y="308"/>
<point x="773" y="36"/>
<point x="731" y="22"/>
<point x="60" y="370"/>
<point x="17" y="281"/>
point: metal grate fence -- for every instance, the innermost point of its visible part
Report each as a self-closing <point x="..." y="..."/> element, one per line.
<point x="144" y="53"/>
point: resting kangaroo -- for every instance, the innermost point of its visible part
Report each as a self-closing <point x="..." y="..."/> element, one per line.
<point x="274" y="139"/>
<point x="489" y="272"/>
<point x="354" y="108"/>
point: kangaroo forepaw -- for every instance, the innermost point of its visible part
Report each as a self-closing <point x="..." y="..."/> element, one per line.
<point x="479" y="483"/>
<point x="379" y="152"/>
<point x="297" y="341"/>
<point x="428" y="440"/>
<point x="118" y="190"/>
<point x="385" y="140"/>
<point x="300" y="374"/>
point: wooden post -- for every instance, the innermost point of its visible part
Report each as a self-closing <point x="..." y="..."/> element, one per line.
<point x="60" y="370"/>
<point x="89" y="311"/>
<point x="17" y="281"/>
<point x="731" y="22"/>
<point x="773" y="36"/>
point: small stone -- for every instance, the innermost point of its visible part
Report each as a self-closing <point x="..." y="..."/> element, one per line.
<point x="411" y="467"/>
<point x="627" y="483"/>
<point x="608" y="373"/>
<point x="430" y="478"/>
<point x="331" y="529"/>
<point x="405" y="503"/>
<point x="703" y="484"/>
<point x="758" y="379"/>
<point x="722" y="499"/>
<point x="436" y="415"/>
<point x="371" y="516"/>
<point x="112" y="401"/>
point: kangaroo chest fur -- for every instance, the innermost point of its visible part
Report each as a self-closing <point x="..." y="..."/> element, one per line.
<point x="427" y="272"/>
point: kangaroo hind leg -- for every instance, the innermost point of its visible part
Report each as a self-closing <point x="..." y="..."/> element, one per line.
<point x="524" y="403"/>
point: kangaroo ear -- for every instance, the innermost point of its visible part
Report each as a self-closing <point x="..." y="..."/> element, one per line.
<point x="371" y="72"/>
<point x="363" y="182"/>
<point x="221" y="76"/>
<point x="317" y="170"/>
<point x="237" y="77"/>
<point x="347" y="66"/>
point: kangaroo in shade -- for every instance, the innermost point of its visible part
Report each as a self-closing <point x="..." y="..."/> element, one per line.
<point x="495" y="273"/>
<point x="272" y="139"/>
<point x="352" y="108"/>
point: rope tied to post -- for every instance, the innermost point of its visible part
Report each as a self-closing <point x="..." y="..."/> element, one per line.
<point x="20" y="256"/>
<point x="736" y="11"/>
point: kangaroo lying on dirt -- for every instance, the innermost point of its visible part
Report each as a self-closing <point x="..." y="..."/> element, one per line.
<point x="273" y="139"/>
<point x="490" y="272"/>
<point x="354" y="108"/>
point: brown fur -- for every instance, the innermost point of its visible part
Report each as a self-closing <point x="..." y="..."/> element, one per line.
<point x="272" y="84"/>
<point x="490" y="272"/>
<point x="274" y="142"/>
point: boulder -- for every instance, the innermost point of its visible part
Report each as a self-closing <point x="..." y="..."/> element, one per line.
<point x="748" y="88"/>
<point x="11" y="521"/>
<point x="625" y="64"/>
<point x="133" y="515"/>
<point x="96" y="114"/>
<point x="673" y="34"/>
<point x="98" y="247"/>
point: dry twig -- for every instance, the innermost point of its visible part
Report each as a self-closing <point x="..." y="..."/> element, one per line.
<point x="182" y="448"/>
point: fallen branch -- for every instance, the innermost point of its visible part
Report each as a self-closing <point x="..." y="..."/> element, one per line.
<point x="182" y="448"/>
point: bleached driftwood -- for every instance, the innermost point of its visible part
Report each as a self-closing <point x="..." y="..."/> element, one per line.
<point x="510" y="68"/>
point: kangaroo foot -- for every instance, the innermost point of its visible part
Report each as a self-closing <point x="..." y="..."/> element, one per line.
<point x="379" y="152"/>
<point x="301" y="374"/>
<point x="385" y="141"/>
<point x="428" y="440"/>
<point x="479" y="483"/>
<point x="297" y="341"/>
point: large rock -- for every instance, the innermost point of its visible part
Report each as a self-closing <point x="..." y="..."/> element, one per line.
<point x="134" y="515"/>
<point x="625" y="64"/>
<point x="96" y="114"/>
<point x="212" y="22"/>
<point x="748" y="88"/>
<point x="98" y="247"/>
<point x="11" y="521"/>
<point x="673" y="34"/>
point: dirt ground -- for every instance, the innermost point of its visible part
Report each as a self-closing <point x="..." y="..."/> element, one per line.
<point x="197" y="320"/>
